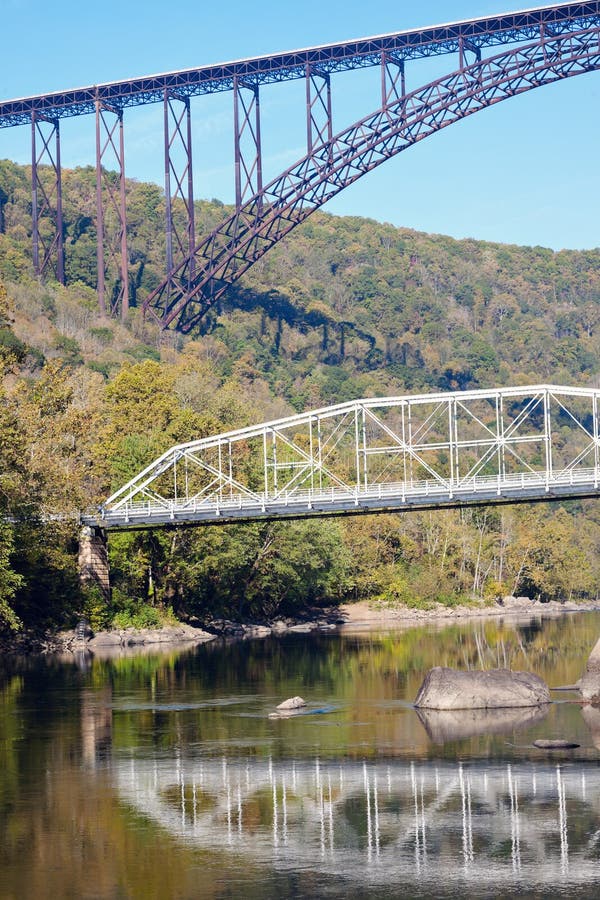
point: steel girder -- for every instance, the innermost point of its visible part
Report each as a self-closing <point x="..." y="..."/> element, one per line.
<point x="428" y="450"/>
<point x="245" y="236"/>
<point x="486" y="31"/>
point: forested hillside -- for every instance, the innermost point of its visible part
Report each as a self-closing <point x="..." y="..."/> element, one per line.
<point x="344" y="308"/>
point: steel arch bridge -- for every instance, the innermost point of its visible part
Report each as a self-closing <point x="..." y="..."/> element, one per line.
<point x="540" y="46"/>
<point x="394" y="453"/>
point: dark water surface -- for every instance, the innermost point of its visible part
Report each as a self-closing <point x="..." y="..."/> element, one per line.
<point x="163" y="776"/>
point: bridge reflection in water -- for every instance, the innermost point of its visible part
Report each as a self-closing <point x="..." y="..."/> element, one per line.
<point x="484" y="825"/>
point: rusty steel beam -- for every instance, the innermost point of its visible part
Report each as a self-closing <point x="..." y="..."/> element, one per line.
<point x="46" y="199"/>
<point x="434" y="40"/>
<point x="111" y="212"/>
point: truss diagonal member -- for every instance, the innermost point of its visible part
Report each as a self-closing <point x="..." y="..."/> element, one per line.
<point x="426" y="426"/>
<point x="141" y="481"/>
<point x="580" y="456"/>
<point x="570" y="414"/>
<point x="506" y="441"/>
<point x="156" y="498"/>
<point x="314" y="464"/>
<point x="332" y="440"/>
<point x="224" y="478"/>
<point x="404" y="446"/>
<point x="205" y="493"/>
<point x="476" y="418"/>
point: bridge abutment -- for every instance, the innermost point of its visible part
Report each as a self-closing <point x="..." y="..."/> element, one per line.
<point x="93" y="559"/>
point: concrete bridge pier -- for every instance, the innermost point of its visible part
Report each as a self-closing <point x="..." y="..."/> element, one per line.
<point x="93" y="559"/>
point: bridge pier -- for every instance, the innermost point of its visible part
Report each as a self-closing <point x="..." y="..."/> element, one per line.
<point x="93" y="559"/>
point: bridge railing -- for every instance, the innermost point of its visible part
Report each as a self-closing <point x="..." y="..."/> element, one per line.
<point x="523" y="485"/>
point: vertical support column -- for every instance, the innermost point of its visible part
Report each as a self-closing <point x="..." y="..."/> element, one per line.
<point x="452" y="445"/>
<point x="357" y="449"/>
<point x="111" y="212"/>
<point x="548" y="437"/>
<point x="46" y="198"/>
<point x="364" y="443"/>
<point x="595" y="433"/>
<point x="179" y="187"/>
<point x="319" y="126"/>
<point x="265" y="464"/>
<point x="247" y="142"/>
<point x="393" y="79"/>
<point x="465" y="44"/>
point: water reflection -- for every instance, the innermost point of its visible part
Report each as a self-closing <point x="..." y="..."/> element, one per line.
<point x="368" y="822"/>
<point x="444" y="725"/>
<point x="149" y="774"/>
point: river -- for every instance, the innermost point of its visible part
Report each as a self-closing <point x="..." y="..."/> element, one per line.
<point x="163" y="776"/>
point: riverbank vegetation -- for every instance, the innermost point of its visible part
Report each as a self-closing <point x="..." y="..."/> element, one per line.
<point x="344" y="308"/>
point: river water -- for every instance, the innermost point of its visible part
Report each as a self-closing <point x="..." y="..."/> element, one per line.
<point x="163" y="776"/>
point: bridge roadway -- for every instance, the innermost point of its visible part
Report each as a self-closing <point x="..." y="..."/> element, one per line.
<point x="423" y="451"/>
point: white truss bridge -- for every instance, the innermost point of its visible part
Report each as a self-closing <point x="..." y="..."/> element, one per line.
<point x="393" y="453"/>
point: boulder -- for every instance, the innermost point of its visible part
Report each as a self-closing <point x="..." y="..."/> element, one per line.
<point x="445" y="688"/>
<point x="543" y="744"/>
<point x="444" y="725"/>
<point x="292" y="703"/>
<point x="590" y="683"/>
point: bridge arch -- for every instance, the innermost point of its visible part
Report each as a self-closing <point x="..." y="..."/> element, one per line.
<point x="221" y="257"/>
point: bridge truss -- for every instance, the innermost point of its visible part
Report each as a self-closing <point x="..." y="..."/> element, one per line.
<point x="545" y="45"/>
<point x="396" y="453"/>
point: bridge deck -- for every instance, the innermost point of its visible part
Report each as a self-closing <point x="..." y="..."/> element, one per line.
<point x="481" y="490"/>
<point x="483" y="31"/>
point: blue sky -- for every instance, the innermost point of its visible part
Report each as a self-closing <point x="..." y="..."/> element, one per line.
<point x="524" y="172"/>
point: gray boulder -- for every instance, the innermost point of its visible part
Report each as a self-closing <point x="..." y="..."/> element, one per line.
<point x="292" y="703"/>
<point x="295" y="706"/>
<point x="445" y="688"/>
<point x="590" y="683"/>
<point x="543" y="744"/>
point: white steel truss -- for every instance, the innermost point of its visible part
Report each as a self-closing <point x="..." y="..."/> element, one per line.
<point x="392" y="453"/>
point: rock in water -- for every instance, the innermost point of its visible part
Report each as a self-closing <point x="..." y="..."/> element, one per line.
<point x="292" y="703"/>
<point x="445" y="688"/>
<point x="555" y="745"/>
<point x="590" y="683"/>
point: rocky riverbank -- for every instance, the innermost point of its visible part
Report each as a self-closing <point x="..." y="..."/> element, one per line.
<point x="364" y="614"/>
<point x="359" y="615"/>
